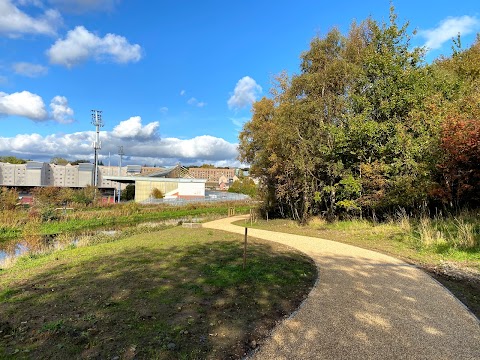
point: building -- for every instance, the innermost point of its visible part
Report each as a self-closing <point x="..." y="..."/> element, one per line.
<point x="212" y="174"/>
<point x="174" y="182"/>
<point x="172" y="188"/>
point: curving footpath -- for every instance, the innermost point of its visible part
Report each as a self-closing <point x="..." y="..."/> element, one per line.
<point x="367" y="305"/>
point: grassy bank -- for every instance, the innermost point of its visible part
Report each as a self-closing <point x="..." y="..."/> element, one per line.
<point x="447" y="248"/>
<point x="173" y="294"/>
<point x="49" y="221"/>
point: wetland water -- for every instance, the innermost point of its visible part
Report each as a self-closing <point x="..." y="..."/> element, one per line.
<point x="12" y="248"/>
<point x="15" y="247"/>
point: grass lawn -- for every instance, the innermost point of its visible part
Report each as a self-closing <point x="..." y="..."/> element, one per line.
<point x="390" y="238"/>
<point x="173" y="294"/>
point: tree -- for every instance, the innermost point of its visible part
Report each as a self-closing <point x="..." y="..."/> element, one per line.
<point x="59" y="161"/>
<point x="460" y="167"/>
<point x="79" y="161"/>
<point x="8" y="198"/>
<point x="245" y="186"/>
<point x="128" y="193"/>
<point x="12" y="160"/>
<point x="353" y="107"/>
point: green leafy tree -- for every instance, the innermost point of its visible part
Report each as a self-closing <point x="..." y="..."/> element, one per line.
<point x="244" y="185"/>
<point x="128" y="193"/>
<point x="59" y="161"/>
<point x="12" y="160"/>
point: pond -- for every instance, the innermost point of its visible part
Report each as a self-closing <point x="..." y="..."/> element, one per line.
<point x="15" y="247"/>
<point x="10" y="249"/>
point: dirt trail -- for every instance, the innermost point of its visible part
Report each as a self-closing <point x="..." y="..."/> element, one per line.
<point x="367" y="305"/>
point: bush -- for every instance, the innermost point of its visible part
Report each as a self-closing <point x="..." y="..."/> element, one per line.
<point x="157" y="194"/>
<point x="8" y="198"/>
<point x="129" y="193"/>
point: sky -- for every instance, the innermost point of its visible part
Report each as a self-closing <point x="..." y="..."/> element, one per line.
<point x="174" y="79"/>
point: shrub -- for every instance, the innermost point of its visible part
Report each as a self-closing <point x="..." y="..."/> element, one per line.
<point x="157" y="193"/>
<point x="8" y="198"/>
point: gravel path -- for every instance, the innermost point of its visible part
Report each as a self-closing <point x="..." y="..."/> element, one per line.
<point x="367" y="305"/>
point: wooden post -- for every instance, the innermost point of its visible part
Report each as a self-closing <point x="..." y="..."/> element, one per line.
<point x="245" y="250"/>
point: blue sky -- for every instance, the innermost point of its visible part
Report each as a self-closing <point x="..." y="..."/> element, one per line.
<point x="175" y="79"/>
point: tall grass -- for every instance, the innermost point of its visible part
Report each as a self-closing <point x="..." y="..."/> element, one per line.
<point x="429" y="234"/>
<point x="460" y="232"/>
<point x="13" y="223"/>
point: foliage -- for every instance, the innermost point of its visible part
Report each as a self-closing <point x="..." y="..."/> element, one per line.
<point x="362" y="128"/>
<point x="8" y="198"/>
<point x="245" y="186"/>
<point x="157" y="193"/>
<point x="85" y="196"/>
<point x="12" y="160"/>
<point x="128" y="193"/>
<point x="59" y="161"/>
<point x="460" y="168"/>
<point x="79" y="161"/>
<point x="51" y="196"/>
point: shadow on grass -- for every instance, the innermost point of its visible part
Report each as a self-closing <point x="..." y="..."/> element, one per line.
<point x="154" y="299"/>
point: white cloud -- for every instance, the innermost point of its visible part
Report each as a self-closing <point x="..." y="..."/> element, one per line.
<point x="80" y="44"/>
<point x="203" y="147"/>
<point x="183" y="92"/>
<point x="245" y="93"/>
<point x="14" y="21"/>
<point x="31" y="106"/>
<point x="83" y="6"/>
<point x="449" y="28"/>
<point x="194" y="102"/>
<point x="133" y="129"/>
<point x="146" y="150"/>
<point x="30" y="70"/>
<point x="61" y="112"/>
<point x="164" y="110"/>
<point x="23" y="104"/>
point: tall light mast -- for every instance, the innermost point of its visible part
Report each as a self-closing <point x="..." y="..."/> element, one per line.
<point x="97" y="145"/>
<point x="121" y="153"/>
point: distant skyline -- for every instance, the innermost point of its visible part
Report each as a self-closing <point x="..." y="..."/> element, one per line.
<point x="175" y="79"/>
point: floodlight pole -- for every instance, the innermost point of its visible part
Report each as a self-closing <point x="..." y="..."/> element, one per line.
<point x="97" y="145"/>
<point x="121" y="153"/>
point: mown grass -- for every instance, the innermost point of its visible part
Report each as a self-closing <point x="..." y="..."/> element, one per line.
<point x="437" y="245"/>
<point x="173" y="294"/>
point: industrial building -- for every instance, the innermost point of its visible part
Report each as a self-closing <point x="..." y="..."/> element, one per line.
<point x="174" y="182"/>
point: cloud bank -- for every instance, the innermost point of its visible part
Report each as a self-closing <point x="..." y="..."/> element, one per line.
<point x="142" y="145"/>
